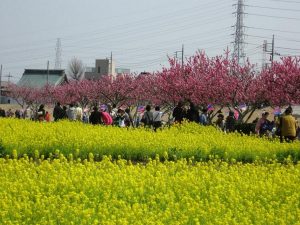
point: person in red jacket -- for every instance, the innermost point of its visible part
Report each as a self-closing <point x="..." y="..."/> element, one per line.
<point x="47" y="117"/>
<point x="106" y="118"/>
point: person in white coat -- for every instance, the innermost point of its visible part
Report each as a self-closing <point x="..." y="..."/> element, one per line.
<point x="71" y="113"/>
<point x="79" y="113"/>
<point x="157" y="118"/>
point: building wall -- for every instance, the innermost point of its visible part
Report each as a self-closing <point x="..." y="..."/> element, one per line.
<point x="103" y="67"/>
<point x="7" y="100"/>
<point x="92" y="76"/>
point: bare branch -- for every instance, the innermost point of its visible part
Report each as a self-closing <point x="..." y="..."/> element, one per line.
<point x="76" y="69"/>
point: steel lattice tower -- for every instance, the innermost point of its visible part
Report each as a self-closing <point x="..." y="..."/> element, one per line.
<point x="239" y="44"/>
<point x="58" y="54"/>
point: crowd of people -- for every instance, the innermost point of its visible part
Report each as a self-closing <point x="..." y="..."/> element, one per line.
<point x="192" y="114"/>
<point x="285" y="125"/>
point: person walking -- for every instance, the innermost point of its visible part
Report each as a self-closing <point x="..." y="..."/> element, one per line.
<point x="230" y="122"/>
<point x="2" y="112"/>
<point x="47" y="116"/>
<point x="178" y="113"/>
<point x="71" y="113"/>
<point x="18" y="114"/>
<point x="147" y="118"/>
<point x="57" y="112"/>
<point x="288" y="125"/>
<point x="128" y="119"/>
<point x="114" y="113"/>
<point x="204" y="118"/>
<point x="263" y="125"/>
<point x="79" y="112"/>
<point x="9" y="113"/>
<point x="95" y="117"/>
<point x="41" y="113"/>
<point x="220" y="122"/>
<point x="192" y="113"/>
<point x="120" y="118"/>
<point x="85" y="116"/>
<point x="64" y="113"/>
<point x="106" y="118"/>
<point x="157" y="118"/>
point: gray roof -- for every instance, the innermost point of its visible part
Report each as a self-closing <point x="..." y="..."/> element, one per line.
<point x="39" y="78"/>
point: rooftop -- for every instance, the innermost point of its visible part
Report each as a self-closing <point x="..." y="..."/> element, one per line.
<point x="38" y="78"/>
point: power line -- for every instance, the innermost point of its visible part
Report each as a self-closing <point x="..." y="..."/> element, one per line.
<point x="249" y="43"/>
<point x="273" y="8"/>
<point x="97" y="23"/>
<point x="254" y="50"/>
<point x="280" y="38"/>
<point x="294" y="49"/>
<point x="287" y="39"/>
<point x="257" y="36"/>
<point x="95" y="47"/>
<point x="133" y="52"/>
<point x="267" y="29"/>
<point x="277" y="17"/>
<point x="177" y="14"/>
<point x="254" y="53"/>
<point x="287" y="1"/>
<point x="170" y="25"/>
<point x="133" y="32"/>
<point x="288" y="55"/>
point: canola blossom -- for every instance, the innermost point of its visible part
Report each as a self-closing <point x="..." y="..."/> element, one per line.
<point x="190" y="140"/>
<point x="118" y="192"/>
<point x="77" y="140"/>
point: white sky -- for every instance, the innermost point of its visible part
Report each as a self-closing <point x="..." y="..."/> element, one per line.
<point x="140" y="33"/>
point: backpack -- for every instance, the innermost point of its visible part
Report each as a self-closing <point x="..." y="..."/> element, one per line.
<point x="146" y="119"/>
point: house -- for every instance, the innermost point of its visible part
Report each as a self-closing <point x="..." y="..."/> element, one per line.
<point x="38" y="78"/>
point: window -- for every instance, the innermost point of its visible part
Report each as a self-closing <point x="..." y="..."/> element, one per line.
<point x="99" y="69"/>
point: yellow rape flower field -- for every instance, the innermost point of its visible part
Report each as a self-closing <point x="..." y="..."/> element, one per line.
<point x="75" y="140"/>
<point x="72" y="173"/>
<point x="213" y="192"/>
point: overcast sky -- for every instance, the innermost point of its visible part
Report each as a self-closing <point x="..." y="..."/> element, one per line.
<point x="140" y="33"/>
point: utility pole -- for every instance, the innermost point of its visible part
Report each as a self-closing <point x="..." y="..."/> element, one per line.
<point x="239" y="43"/>
<point x="58" y="55"/>
<point x="182" y="55"/>
<point x="272" y="52"/>
<point x="8" y="77"/>
<point x="47" y="72"/>
<point x="263" y="64"/>
<point x="111" y="63"/>
<point x="269" y="48"/>
<point x="1" y="84"/>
